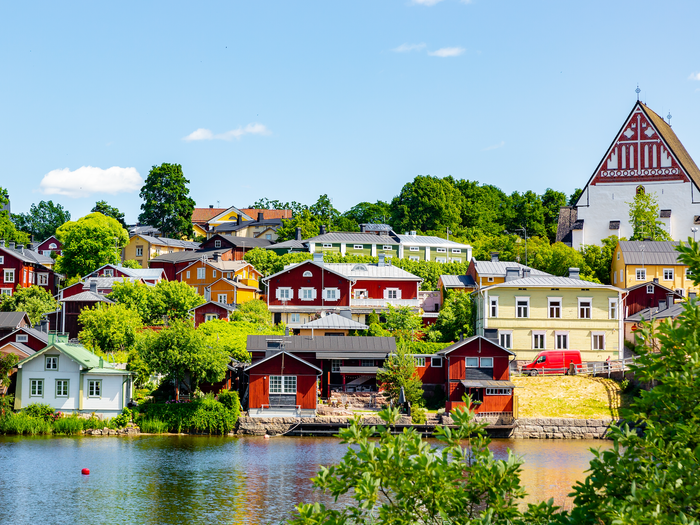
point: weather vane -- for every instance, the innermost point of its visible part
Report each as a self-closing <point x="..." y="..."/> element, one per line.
<point x="637" y="91"/>
<point x="669" y="119"/>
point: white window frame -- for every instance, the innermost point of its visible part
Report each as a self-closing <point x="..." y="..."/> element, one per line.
<point x="295" y="317"/>
<point x="201" y="273"/>
<point x="563" y="333"/>
<point x="441" y="250"/>
<point x="327" y="245"/>
<point x="493" y="307"/>
<point x="303" y="292"/>
<point x="594" y="337"/>
<point x="43" y="279"/>
<point x="2" y="259"/>
<point x="94" y="388"/>
<point x="436" y="362"/>
<point x="6" y="291"/>
<point x="284" y="293"/>
<point x="671" y="272"/>
<point x="489" y="279"/>
<point x="640" y="274"/>
<point x="109" y="272"/>
<point x="518" y="307"/>
<point x="622" y="276"/>
<point x="499" y="391"/>
<point x="187" y="275"/>
<point x="213" y="274"/>
<point x="613" y="307"/>
<point x="217" y="243"/>
<point x="36" y="388"/>
<point x="210" y="317"/>
<point x="21" y="338"/>
<point x="57" y="389"/>
<point x="650" y="288"/>
<point x="688" y="273"/>
<point x="474" y="360"/>
<point x="9" y="275"/>
<point x="550" y="300"/>
<point x="420" y="362"/>
<point x="358" y="292"/>
<point x="284" y="386"/>
<point x="139" y="251"/>
<point x="219" y="296"/>
<point x="442" y="260"/>
<point x="335" y="294"/>
<point x="53" y="246"/>
<point x="588" y="300"/>
<point x="307" y="273"/>
<point x="387" y="248"/>
<point x="413" y="248"/>
<point x="367" y="362"/>
<point x="456" y="250"/>
<point x="539" y="334"/>
<point x="395" y="292"/>
<point x="358" y="246"/>
<point x="413" y="258"/>
<point x="484" y="362"/>
<point x="507" y="337"/>
<point x="335" y="365"/>
<point x="51" y="363"/>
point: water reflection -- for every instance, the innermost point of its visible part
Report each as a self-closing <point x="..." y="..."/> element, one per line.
<point x="187" y="479"/>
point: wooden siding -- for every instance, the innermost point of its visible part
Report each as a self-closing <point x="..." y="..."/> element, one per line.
<point x="258" y="391"/>
<point x="201" y="311"/>
<point x="638" y="300"/>
<point x="319" y="279"/>
<point x="375" y="288"/>
<point x="307" y="392"/>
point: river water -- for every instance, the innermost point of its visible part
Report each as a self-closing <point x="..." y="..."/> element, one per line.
<point x="193" y="479"/>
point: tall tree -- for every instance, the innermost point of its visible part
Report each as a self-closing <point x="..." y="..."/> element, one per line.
<point x="88" y="243"/>
<point x="369" y="213"/>
<point x="484" y="207"/>
<point x="110" y="329"/>
<point x="34" y="300"/>
<point x="399" y="370"/>
<point x="43" y="219"/>
<point x="644" y="213"/>
<point x="166" y="201"/>
<point x="167" y="300"/>
<point x="109" y="211"/>
<point x="427" y="203"/>
<point x="552" y="201"/>
<point x="267" y="204"/>
<point x="8" y="230"/>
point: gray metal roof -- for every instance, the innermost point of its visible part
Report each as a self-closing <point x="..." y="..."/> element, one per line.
<point x="486" y="383"/>
<point x="458" y="344"/>
<point x="498" y="268"/>
<point x="38" y="334"/>
<point x="21" y="347"/>
<point x="334" y="321"/>
<point x="667" y="290"/>
<point x="650" y="252"/>
<point x="653" y="313"/>
<point x="457" y="281"/>
<point x="338" y="345"/>
<point x="87" y="297"/>
<point x="429" y="240"/>
<point x="228" y="307"/>
<point x="353" y="237"/>
<point x="245" y="242"/>
<point x="189" y="255"/>
<point x="550" y="281"/>
<point x="371" y="271"/>
<point x="37" y="257"/>
<point x="12" y="319"/>
<point x="173" y="243"/>
<point x="370" y="227"/>
<point x="28" y="256"/>
<point x="106" y="282"/>
<point x="293" y="243"/>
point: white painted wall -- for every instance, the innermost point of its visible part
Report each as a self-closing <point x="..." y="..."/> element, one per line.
<point x="608" y="202"/>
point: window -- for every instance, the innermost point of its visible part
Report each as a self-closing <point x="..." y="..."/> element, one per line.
<point x="455" y="259"/>
<point x="618" y="256"/>
<point x="223" y="298"/>
<point x="456" y="250"/>
<point x="441" y="259"/>
<point x="188" y="274"/>
<point x="598" y="340"/>
<point x="413" y="249"/>
<point x="6" y="291"/>
<point x="538" y="340"/>
<point x="213" y="274"/>
<point x="392" y="293"/>
<point x="472" y="362"/>
<point x="61" y="387"/>
<point x="499" y="391"/>
<point x="688" y="273"/>
<point x="612" y="308"/>
<point x="36" y="388"/>
<point x="22" y="338"/>
<point x="357" y="246"/>
<point x="10" y="276"/>
<point x="283" y="384"/>
<point x="441" y="250"/>
<point x="493" y="307"/>
<point x="436" y="362"/>
<point x="95" y="388"/>
<point x="562" y="340"/>
<point x="641" y="274"/>
<point x="522" y="305"/>
<point x="268" y="236"/>
<point x="367" y="362"/>
<point x="295" y="318"/>
<point x="505" y="339"/>
<point x="327" y="245"/>
<point x="584" y="307"/>
<point x="139" y="251"/>
<point x="109" y="272"/>
<point x="335" y="365"/>
<point x="413" y="258"/>
<point x="284" y="294"/>
<point x="217" y="243"/>
<point x="420" y="362"/>
<point x="2" y="259"/>
<point x="201" y="273"/>
<point x="53" y="246"/>
<point x="360" y="294"/>
<point x="386" y="248"/>
<point x="487" y="362"/>
<point x="668" y="274"/>
<point x="332" y="294"/>
<point x="210" y="317"/>
<point x="51" y="363"/>
<point x="307" y="273"/>
<point x="680" y="291"/>
<point x="650" y="288"/>
<point x="308" y="294"/>
<point x="554" y="307"/>
<point x="43" y="279"/>
<point x="622" y="277"/>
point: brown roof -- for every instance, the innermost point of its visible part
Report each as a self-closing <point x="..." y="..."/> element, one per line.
<point x="203" y="215"/>
<point x="567" y="218"/>
<point x="268" y="214"/>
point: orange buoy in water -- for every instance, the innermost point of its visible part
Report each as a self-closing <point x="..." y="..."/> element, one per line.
<point x="85" y="471"/>
<point x="267" y="437"/>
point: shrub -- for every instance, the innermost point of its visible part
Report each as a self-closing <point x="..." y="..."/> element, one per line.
<point x="6" y="404"/>
<point x="419" y="416"/>
<point x="40" y="410"/>
<point x="68" y="425"/>
<point x="22" y="423"/>
<point x="205" y="415"/>
<point x="153" y="426"/>
<point x="230" y="399"/>
<point x="122" y="419"/>
<point x="95" y="422"/>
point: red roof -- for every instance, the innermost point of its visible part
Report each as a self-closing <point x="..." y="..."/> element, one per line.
<point x="203" y="215"/>
<point x="268" y="214"/>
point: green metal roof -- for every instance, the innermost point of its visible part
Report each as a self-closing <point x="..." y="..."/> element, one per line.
<point x="82" y="356"/>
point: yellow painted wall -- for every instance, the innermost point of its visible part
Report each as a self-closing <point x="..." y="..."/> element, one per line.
<point x="232" y="293"/>
<point x="148" y="250"/>
<point x="580" y="330"/>
<point x="246" y="275"/>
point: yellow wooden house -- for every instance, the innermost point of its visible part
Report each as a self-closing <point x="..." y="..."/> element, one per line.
<point x="531" y="314"/>
<point x="142" y="248"/>
<point x="636" y="262"/>
<point x="204" y="220"/>
<point x="238" y="280"/>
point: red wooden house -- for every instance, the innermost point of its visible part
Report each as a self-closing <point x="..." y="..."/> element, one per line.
<point x="282" y="385"/>
<point x="12" y="321"/>
<point x="27" y="336"/>
<point x="101" y="285"/>
<point x="21" y="266"/>
<point x="49" y="246"/>
<point x="210" y="311"/>
<point x="66" y="319"/>
<point x="648" y="295"/>
<point x="481" y="368"/>
<point x="147" y="275"/>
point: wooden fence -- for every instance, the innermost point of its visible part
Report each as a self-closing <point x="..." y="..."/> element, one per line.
<point x="590" y="368"/>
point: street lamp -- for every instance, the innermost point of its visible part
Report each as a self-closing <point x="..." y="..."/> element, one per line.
<point x="525" y="232"/>
<point x="694" y="230"/>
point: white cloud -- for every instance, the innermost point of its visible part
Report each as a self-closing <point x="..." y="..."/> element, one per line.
<point x="495" y="146"/>
<point x="207" y="134"/>
<point x="447" y="52"/>
<point x="404" y="48"/>
<point x="694" y="76"/>
<point x="88" y="179"/>
<point x="426" y="2"/>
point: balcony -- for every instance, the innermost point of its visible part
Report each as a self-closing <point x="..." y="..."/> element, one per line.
<point x="381" y="303"/>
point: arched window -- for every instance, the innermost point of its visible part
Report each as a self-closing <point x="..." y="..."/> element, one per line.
<point x="52" y="246"/>
<point x="307" y="274"/>
<point x="640" y="190"/>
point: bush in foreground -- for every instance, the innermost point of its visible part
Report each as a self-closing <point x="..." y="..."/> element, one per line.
<point x="205" y="415"/>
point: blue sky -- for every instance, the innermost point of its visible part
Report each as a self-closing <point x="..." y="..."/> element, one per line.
<point x="289" y="100"/>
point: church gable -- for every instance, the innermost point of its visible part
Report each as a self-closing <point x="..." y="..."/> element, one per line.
<point x="645" y="150"/>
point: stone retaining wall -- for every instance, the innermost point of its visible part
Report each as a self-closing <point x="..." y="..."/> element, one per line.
<point x="561" y="428"/>
<point x="258" y="426"/>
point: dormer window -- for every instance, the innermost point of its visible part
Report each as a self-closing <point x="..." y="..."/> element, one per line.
<point x="360" y="268"/>
<point x="217" y="243"/>
<point x="307" y="274"/>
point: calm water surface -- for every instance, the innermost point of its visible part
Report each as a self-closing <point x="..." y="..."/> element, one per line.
<point x="191" y="479"/>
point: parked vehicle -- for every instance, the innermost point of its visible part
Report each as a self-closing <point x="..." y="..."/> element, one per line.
<point x="553" y="362"/>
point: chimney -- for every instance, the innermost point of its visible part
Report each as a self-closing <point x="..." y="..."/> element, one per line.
<point x="656" y="280"/>
<point x="413" y="233"/>
<point x="318" y="257"/>
<point x="574" y="273"/>
<point x="238" y="220"/>
<point x="382" y="260"/>
<point x="20" y="248"/>
<point x="261" y="216"/>
<point x="45" y="326"/>
<point x="669" y="300"/>
<point x="12" y="245"/>
<point x="2" y="243"/>
<point x="345" y="313"/>
<point x="93" y="285"/>
<point x="30" y="246"/>
<point x="211" y="206"/>
<point x="512" y="274"/>
<point x="286" y="331"/>
<point x="494" y="256"/>
<point x="526" y="273"/>
<point x="362" y="228"/>
<point x="322" y="229"/>
<point x="216" y="257"/>
<point x="297" y="236"/>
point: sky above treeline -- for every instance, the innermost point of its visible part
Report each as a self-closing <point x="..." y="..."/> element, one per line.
<point x="289" y="100"/>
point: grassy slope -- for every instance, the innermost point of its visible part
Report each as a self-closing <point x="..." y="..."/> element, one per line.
<point x="564" y="396"/>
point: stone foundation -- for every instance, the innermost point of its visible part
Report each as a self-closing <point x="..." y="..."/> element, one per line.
<point x="128" y="431"/>
<point x="258" y="426"/>
<point x="561" y="428"/>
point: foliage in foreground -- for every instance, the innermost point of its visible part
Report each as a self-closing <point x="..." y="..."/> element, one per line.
<point x="42" y="419"/>
<point x="34" y="300"/>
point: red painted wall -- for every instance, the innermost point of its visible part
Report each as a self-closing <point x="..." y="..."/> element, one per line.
<point x="200" y="313"/>
<point x="32" y="342"/>
<point x="638" y="300"/>
<point x="320" y="279"/>
<point x="45" y="246"/>
<point x="22" y="273"/>
<point x="258" y="392"/>
<point x="375" y="289"/>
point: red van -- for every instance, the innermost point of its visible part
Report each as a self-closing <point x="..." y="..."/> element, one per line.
<point x="553" y="362"/>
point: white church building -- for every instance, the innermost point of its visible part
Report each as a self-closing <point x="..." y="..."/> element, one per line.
<point x="646" y="156"/>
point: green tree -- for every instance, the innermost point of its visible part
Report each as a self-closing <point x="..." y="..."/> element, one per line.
<point x="305" y="220"/>
<point x="402" y="322"/>
<point x="484" y="208"/>
<point x="369" y="213"/>
<point x="166" y="201"/>
<point x="324" y="211"/>
<point x="254" y="312"/>
<point x="263" y="260"/>
<point x="89" y="243"/>
<point x="402" y="479"/>
<point x="232" y="336"/>
<point x="7" y="364"/>
<point x="34" y="300"/>
<point x="427" y="203"/>
<point x="174" y="300"/>
<point x="43" y="219"/>
<point x="8" y="230"/>
<point x="552" y="202"/>
<point x="131" y="263"/>
<point x="109" y="328"/>
<point x="456" y="318"/>
<point x="399" y="370"/>
<point x="644" y="213"/>
<point x="109" y="211"/>
<point x="180" y="352"/>
<point x="267" y="204"/>
<point x="138" y="297"/>
<point x="599" y="258"/>
<point x="574" y="197"/>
